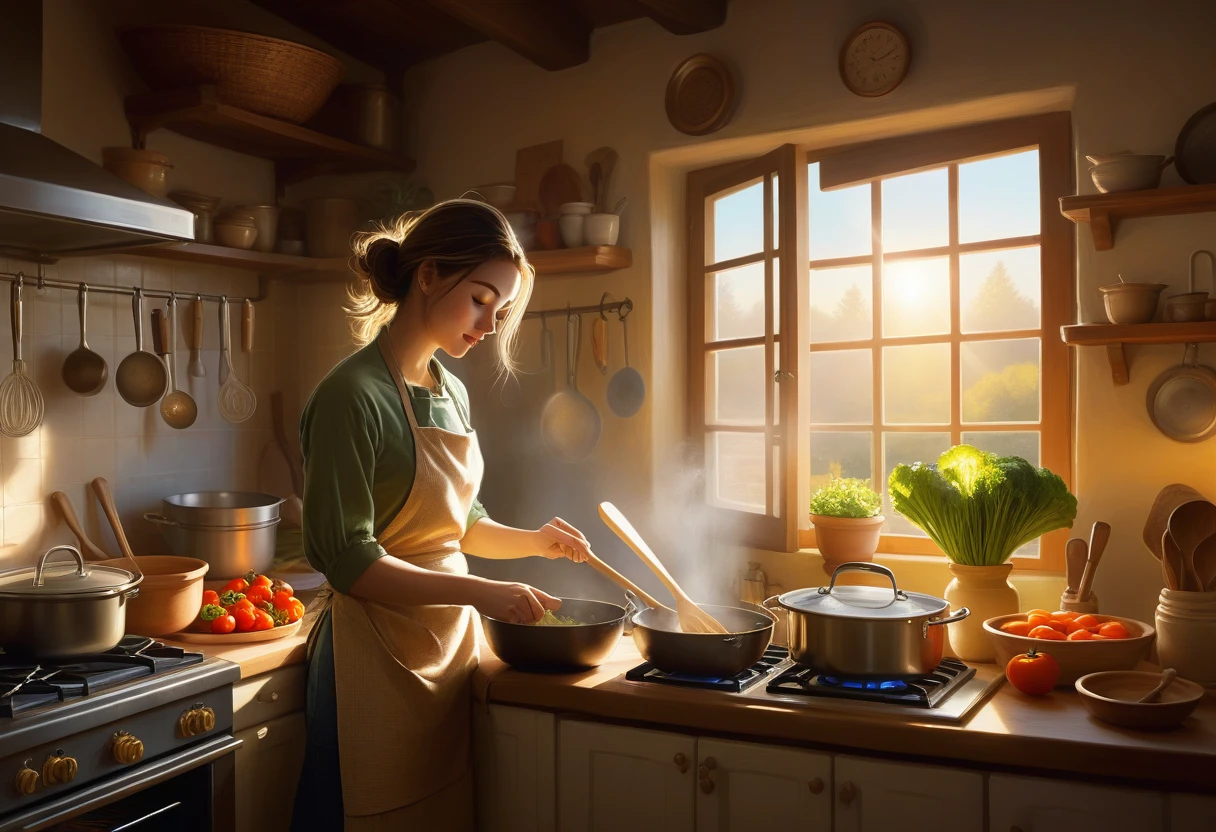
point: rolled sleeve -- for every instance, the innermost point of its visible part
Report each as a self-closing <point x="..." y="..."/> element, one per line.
<point x="476" y="512"/>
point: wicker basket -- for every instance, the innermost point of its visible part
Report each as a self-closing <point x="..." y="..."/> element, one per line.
<point x="272" y="77"/>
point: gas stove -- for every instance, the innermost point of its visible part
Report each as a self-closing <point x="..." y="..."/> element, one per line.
<point x="144" y="729"/>
<point x="774" y="659"/>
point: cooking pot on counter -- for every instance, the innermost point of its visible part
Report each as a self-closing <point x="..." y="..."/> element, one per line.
<point x="865" y="630"/>
<point x="49" y="612"/>
<point x="232" y="531"/>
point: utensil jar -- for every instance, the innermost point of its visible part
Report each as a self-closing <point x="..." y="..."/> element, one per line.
<point x="1186" y="630"/>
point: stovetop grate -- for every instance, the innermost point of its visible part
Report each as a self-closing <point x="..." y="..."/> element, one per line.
<point x="26" y="685"/>
<point x="773" y="657"/>
<point x="926" y="691"/>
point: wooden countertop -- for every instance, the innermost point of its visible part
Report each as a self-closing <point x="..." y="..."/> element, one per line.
<point x="1010" y="731"/>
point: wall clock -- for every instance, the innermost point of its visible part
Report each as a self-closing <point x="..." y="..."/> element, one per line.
<point x="874" y="59"/>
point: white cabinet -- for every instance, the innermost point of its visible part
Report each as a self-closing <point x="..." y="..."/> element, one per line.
<point x="1192" y="813"/>
<point x="615" y="778"/>
<point x="268" y="767"/>
<point x="514" y="766"/>
<point x="879" y="797"/>
<point x="1036" y="804"/>
<point x="745" y="786"/>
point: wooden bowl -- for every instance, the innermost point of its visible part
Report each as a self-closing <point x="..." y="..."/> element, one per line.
<point x="169" y="596"/>
<point x="1076" y="658"/>
<point x="1112" y="696"/>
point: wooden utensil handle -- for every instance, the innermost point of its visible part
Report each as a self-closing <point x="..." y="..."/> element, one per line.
<point x="158" y="332"/>
<point x="102" y="489"/>
<point x="247" y="326"/>
<point x="608" y="572"/>
<point x="196" y="330"/>
<point x="1098" y="537"/>
<point x="616" y="521"/>
<point x="88" y="548"/>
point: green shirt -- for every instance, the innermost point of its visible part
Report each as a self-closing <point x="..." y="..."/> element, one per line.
<point x="359" y="459"/>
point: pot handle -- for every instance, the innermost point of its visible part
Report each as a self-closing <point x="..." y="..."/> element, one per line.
<point x="772" y="603"/>
<point x="80" y="573"/>
<point x="877" y="569"/>
<point x="962" y="613"/>
<point x="159" y="519"/>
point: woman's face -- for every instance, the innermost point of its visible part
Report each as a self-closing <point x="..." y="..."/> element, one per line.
<point x="474" y="307"/>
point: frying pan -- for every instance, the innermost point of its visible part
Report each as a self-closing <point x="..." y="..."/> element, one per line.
<point x="1182" y="400"/>
<point x="659" y="639"/>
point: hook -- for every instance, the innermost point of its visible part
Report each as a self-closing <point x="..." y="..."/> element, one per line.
<point x="625" y="308"/>
<point x="41" y="289"/>
<point x="604" y="297"/>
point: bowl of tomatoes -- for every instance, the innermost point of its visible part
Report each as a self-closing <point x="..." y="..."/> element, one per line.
<point x="250" y="608"/>
<point x="1081" y="643"/>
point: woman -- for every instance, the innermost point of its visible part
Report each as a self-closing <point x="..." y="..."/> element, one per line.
<point x="392" y="470"/>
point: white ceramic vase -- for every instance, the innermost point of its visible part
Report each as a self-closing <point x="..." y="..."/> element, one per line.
<point x="987" y="593"/>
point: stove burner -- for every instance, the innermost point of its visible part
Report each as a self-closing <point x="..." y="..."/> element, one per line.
<point x="926" y="691"/>
<point x="768" y="664"/>
<point x="25" y="686"/>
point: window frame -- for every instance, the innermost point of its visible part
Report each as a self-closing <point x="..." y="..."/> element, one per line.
<point x="785" y="525"/>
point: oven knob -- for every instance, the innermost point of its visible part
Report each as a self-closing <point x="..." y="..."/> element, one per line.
<point x="59" y="769"/>
<point x="27" y="780"/>
<point x="198" y="720"/>
<point x="126" y="748"/>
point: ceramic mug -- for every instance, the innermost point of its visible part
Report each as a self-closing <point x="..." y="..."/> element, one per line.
<point x="571" y="226"/>
<point x="601" y="229"/>
<point x="1187" y="307"/>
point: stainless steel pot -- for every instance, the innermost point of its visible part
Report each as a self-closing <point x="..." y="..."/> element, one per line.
<point x="233" y="531"/>
<point x="865" y="630"/>
<point x="559" y="648"/>
<point x="659" y="639"/>
<point x="49" y="612"/>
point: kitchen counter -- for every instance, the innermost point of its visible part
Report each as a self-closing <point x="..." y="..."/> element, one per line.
<point x="1009" y="731"/>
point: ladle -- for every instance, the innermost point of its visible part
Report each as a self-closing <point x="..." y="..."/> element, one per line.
<point x="692" y="618"/>
<point x="141" y="376"/>
<point x="84" y="371"/>
<point x="178" y="409"/>
<point x="1167" y="678"/>
<point x="626" y="389"/>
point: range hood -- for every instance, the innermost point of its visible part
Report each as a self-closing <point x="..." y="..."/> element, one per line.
<point x="54" y="202"/>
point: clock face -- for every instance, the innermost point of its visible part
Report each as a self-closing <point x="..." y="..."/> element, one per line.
<point x="874" y="60"/>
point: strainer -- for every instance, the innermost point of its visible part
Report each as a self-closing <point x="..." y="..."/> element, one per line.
<point x="237" y="402"/>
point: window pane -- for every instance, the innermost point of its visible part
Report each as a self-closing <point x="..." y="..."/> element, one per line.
<point x="999" y="197"/>
<point x="842" y="387"/>
<point x="738" y="302"/>
<point x="914" y="211"/>
<point x="841" y="304"/>
<point x="737" y="463"/>
<point x="916" y="297"/>
<point x="1010" y="443"/>
<point x="1000" y="380"/>
<point x="916" y="384"/>
<point x="904" y="449"/>
<point x="999" y="290"/>
<point x="776" y="212"/>
<point x="739" y="223"/>
<point x="840" y="454"/>
<point x="737" y="378"/>
<point x="839" y="220"/>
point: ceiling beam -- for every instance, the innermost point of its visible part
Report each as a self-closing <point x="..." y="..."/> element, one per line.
<point x="685" y="17"/>
<point x="550" y="33"/>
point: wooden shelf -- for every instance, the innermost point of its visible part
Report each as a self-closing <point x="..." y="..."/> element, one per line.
<point x="269" y="264"/>
<point x="1114" y="336"/>
<point x="298" y="153"/>
<point x="583" y="260"/>
<point x="1103" y="212"/>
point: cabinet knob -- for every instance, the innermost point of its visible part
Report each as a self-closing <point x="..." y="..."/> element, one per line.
<point x="816" y="786"/>
<point x="125" y="748"/>
<point x="268" y="696"/>
<point x="681" y="762"/>
<point x="847" y="792"/>
<point x="709" y="764"/>
<point x="59" y="769"/>
<point x="707" y="785"/>
<point x="198" y="720"/>
<point x="27" y="780"/>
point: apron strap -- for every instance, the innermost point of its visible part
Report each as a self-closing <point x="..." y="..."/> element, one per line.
<point x="399" y="379"/>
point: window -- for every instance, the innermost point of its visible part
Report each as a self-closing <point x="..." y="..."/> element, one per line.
<point x="874" y="305"/>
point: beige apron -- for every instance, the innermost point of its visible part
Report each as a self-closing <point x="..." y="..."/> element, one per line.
<point x="403" y="673"/>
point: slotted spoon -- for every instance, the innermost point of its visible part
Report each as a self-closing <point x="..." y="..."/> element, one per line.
<point x="236" y="401"/>
<point x="21" y="404"/>
<point x="692" y="618"/>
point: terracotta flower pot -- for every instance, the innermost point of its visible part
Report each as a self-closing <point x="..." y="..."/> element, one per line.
<point x="846" y="539"/>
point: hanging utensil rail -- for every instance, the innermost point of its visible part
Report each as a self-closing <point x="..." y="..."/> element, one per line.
<point x="621" y="307"/>
<point x="40" y="282"/>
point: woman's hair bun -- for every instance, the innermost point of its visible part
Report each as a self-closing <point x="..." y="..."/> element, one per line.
<point x="379" y="263"/>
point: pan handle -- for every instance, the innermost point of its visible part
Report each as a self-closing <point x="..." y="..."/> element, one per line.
<point x="962" y="613"/>
<point x="159" y="519"/>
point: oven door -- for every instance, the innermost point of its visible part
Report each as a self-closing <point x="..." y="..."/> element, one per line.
<point x="189" y="791"/>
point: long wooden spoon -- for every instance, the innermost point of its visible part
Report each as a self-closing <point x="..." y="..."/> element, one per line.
<point x="1098" y="537"/>
<point x="90" y="549"/>
<point x="608" y="572"/>
<point x="104" y="496"/>
<point x="1167" y="677"/>
<point x="1171" y="561"/>
<point x="1075" y="552"/>
<point x="692" y="618"/>
<point x="1205" y="564"/>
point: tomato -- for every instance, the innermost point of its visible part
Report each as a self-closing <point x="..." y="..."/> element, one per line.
<point x="1049" y="633"/>
<point x="282" y="586"/>
<point x="210" y="596"/>
<point x="260" y="580"/>
<point x="235" y="585"/>
<point x="295" y="611"/>
<point x="223" y="625"/>
<point x="245" y="619"/>
<point x="1033" y="673"/>
<point x="262" y="620"/>
<point x="242" y="604"/>
<point x="258" y="593"/>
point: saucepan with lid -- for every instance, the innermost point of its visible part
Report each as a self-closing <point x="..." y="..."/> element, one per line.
<point x="865" y="630"/>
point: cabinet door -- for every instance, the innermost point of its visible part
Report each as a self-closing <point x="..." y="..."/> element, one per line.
<point x="1192" y="813"/>
<point x="268" y="767"/>
<point x="1037" y="804"/>
<point x="744" y="786"/>
<point x="879" y="797"/>
<point x="513" y="763"/>
<point x="615" y="779"/>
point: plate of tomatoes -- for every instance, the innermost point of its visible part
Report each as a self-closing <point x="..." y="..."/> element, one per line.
<point x="250" y="608"/>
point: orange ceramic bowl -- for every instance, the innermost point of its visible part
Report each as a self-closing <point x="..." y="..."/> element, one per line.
<point x="169" y="596"/>
<point x="1076" y="658"/>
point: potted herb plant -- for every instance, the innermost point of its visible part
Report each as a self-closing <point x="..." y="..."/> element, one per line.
<point x="848" y="521"/>
<point x="980" y="508"/>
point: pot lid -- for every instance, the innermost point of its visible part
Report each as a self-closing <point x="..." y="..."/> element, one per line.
<point x="863" y="602"/>
<point x="64" y="578"/>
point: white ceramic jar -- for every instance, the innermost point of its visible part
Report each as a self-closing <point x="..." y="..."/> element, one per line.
<point x="1186" y="631"/>
<point x="601" y="229"/>
<point x="571" y="227"/>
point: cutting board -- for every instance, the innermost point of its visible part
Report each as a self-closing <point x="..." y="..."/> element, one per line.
<point x="531" y="164"/>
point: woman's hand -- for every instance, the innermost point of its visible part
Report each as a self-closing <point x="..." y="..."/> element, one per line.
<point x="558" y="539"/>
<point x="513" y="602"/>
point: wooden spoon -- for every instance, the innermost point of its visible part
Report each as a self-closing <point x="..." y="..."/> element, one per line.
<point x="1075" y="552"/>
<point x="608" y="572"/>
<point x="1098" y="537"/>
<point x="1171" y="561"/>
<point x="1167" y="677"/>
<point x="102" y="489"/>
<point x="1205" y="564"/>
<point x="692" y="618"/>
<point x="88" y="548"/>
<point x="1190" y="524"/>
